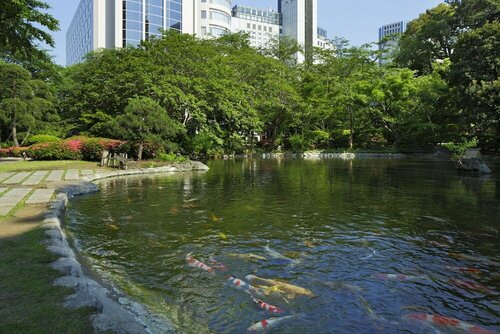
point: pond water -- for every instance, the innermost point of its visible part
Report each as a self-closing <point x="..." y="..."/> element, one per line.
<point x="377" y="244"/>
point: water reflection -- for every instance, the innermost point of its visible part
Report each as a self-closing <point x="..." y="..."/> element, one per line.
<point x="384" y="246"/>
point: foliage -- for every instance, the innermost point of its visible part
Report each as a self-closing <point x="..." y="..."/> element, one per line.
<point x="458" y="149"/>
<point x="171" y="157"/>
<point x="37" y="139"/>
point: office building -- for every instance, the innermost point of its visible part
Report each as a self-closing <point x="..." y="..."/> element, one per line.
<point x="386" y="46"/>
<point x="299" y="21"/>
<point x="117" y="23"/>
<point x="261" y="25"/>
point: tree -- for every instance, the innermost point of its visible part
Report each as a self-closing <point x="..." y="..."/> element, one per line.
<point x="144" y="120"/>
<point x="22" y="24"/>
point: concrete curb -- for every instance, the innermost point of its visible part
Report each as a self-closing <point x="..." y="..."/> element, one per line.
<point x="115" y="312"/>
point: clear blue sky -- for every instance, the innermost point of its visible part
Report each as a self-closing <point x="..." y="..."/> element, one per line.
<point x="356" y="20"/>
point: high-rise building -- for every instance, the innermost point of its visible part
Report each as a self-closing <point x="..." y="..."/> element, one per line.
<point x="386" y="46"/>
<point x="261" y="25"/>
<point x="299" y="21"/>
<point x="117" y="23"/>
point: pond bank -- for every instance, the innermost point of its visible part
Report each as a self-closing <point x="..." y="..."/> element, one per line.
<point x="115" y="313"/>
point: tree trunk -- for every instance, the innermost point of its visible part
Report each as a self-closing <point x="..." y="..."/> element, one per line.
<point x="351" y="130"/>
<point x="26" y="137"/>
<point x="139" y="151"/>
<point x="14" y="135"/>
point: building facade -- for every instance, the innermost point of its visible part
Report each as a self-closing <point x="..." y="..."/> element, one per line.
<point x="261" y="25"/>
<point x="387" y="46"/>
<point x="117" y="23"/>
<point x="101" y="24"/>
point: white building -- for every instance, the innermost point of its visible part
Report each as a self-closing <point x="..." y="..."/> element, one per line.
<point x="117" y="23"/>
<point x="262" y="25"/>
<point x="323" y="42"/>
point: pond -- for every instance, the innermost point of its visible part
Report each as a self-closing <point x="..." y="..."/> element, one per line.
<point x="365" y="246"/>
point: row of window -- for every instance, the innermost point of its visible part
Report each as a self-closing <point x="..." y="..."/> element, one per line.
<point x="153" y="6"/>
<point x="217" y="16"/>
<point x="259" y="27"/>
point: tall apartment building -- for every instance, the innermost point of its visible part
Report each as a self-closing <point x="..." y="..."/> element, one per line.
<point x="261" y="25"/>
<point x="386" y="46"/>
<point x="117" y="23"/>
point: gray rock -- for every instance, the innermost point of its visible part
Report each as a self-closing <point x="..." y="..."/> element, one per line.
<point x="67" y="266"/>
<point x="61" y="251"/>
<point x="474" y="165"/>
<point x="67" y="281"/>
<point x="54" y="234"/>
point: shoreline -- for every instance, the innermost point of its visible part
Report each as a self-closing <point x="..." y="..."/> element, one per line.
<point x="115" y="311"/>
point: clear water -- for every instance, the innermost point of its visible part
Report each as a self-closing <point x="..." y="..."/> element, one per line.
<point x="343" y="223"/>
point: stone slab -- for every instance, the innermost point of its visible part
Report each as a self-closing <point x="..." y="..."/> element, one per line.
<point x="17" y="178"/>
<point x="2" y="190"/>
<point x="88" y="172"/>
<point x="55" y="176"/>
<point x="6" y="175"/>
<point x="72" y="174"/>
<point x="35" y="178"/>
<point x="40" y="196"/>
<point x="11" y="198"/>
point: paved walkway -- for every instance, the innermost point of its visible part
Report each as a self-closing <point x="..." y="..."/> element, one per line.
<point x="33" y="188"/>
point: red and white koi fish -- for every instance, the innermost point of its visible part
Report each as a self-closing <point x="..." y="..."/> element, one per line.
<point x="469" y="285"/>
<point x="401" y="277"/>
<point x="265" y="306"/>
<point x="192" y="262"/>
<point x="217" y="265"/>
<point x="440" y="321"/>
<point x="236" y="282"/>
<point x="266" y="324"/>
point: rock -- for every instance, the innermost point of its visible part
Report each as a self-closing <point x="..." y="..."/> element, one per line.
<point x="67" y="266"/>
<point x="61" y="251"/>
<point x="474" y="165"/>
<point x="67" y="281"/>
<point x="54" y="234"/>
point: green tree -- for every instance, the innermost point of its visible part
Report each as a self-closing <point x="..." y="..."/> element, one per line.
<point x="144" y="120"/>
<point x="22" y="27"/>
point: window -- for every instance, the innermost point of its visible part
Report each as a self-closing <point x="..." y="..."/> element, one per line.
<point x="203" y="14"/>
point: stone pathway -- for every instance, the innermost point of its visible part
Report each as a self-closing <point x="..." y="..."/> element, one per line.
<point x="17" y="178"/>
<point x="15" y="186"/>
<point x="72" y="174"/>
<point x="55" y="176"/>
<point x="12" y="198"/>
<point x="35" y="178"/>
<point x="41" y="196"/>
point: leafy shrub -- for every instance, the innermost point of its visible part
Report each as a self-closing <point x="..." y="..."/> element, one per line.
<point x="298" y="143"/>
<point x="92" y="148"/>
<point x="62" y="150"/>
<point x="15" y="152"/>
<point x="207" y="142"/>
<point x="171" y="157"/>
<point x="37" y="139"/>
<point x="318" y="138"/>
<point x="458" y="149"/>
<point x="4" y="152"/>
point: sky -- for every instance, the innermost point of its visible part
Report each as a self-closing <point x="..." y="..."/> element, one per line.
<point x="356" y="20"/>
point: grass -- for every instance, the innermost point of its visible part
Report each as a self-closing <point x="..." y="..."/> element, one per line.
<point x="45" y="165"/>
<point x="28" y="301"/>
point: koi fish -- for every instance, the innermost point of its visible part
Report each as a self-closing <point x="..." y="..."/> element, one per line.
<point x="276" y="255"/>
<point x="236" y="282"/>
<point x="266" y="324"/>
<point x="464" y="269"/>
<point x="112" y="227"/>
<point x="214" y="218"/>
<point x="285" y="287"/>
<point x="192" y="262"/>
<point x="401" y="277"/>
<point x="265" y="306"/>
<point x="372" y="254"/>
<point x="222" y="236"/>
<point x="469" y="285"/>
<point x="440" y="321"/>
<point x="468" y="257"/>
<point x="174" y="210"/>
<point x="250" y="256"/>
<point x="217" y="265"/>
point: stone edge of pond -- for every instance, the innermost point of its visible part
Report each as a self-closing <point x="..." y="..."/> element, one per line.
<point x="119" y="315"/>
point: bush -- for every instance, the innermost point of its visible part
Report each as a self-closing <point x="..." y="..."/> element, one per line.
<point x="37" y="139"/>
<point x="75" y="148"/>
<point x="171" y="157"/>
<point x="12" y="152"/>
<point x="318" y="138"/>
<point x="298" y="143"/>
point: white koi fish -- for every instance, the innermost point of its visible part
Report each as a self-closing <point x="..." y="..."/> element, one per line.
<point x="266" y="324"/>
<point x="192" y="262"/>
<point x="265" y="306"/>
<point x="276" y="255"/>
<point x="372" y="254"/>
<point x="401" y="277"/>
<point x="445" y="322"/>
